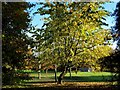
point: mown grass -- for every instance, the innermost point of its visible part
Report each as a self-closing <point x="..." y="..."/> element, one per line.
<point x="51" y="74"/>
<point x="76" y="77"/>
<point x="79" y="79"/>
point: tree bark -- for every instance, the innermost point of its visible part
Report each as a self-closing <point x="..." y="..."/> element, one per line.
<point x="39" y="71"/>
<point x="55" y="73"/>
<point x="46" y="71"/>
<point x="62" y="75"/>
<point x="76" y="70"/>
<point x="70" y="72"/>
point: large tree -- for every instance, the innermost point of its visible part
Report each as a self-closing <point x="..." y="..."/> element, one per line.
<point x="15" y="24"/>
<point x="72" y="34"/>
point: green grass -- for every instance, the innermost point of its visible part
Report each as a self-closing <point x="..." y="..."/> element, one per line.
<point x="47" y="79"/>
<point x="90" y="77"/>
<point x="73" y="74"/>
<point x="79" y="77"/>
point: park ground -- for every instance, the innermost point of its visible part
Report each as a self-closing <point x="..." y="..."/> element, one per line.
<point x="77" y="81"/>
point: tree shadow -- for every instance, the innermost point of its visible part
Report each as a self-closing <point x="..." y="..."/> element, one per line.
<point x="89" y="79"/>
<point x="73" y="79"/>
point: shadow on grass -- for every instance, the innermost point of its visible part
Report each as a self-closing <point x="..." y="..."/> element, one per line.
<point x="73" y="79"/>
<point x="89" y="79"/>
<point x="48" y="83"/>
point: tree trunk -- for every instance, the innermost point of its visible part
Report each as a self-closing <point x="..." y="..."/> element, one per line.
<point x="55" y="73"/>
<point x="62" y="75"/>
<point x="76" y="70"/>
<point x="39" y="71"/>
<point x="46" y="71"/>
<point x="70" y="72"/>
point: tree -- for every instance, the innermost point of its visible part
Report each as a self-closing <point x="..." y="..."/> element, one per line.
<point x="15" y="42"/>
<point x="116" y="28"/>
<point x="112" y="62"/>
<point x="117" y="36"/>
<point x="71" y="32"/>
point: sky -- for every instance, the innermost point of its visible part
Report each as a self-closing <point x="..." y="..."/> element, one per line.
<point x="110" y="19"/>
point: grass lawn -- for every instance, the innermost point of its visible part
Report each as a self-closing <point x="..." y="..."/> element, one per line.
<point x="81" y="79"/>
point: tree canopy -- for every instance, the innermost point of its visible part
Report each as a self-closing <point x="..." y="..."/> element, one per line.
<point x="72" y="34"/>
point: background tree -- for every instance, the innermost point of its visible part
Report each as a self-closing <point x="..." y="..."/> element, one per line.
<point x="116" y="36"/>
<point x="116" y="55"/>
<point x="116" y="28"/>
<point x="15" y="25"/>
<point x="112" y="62"/>
<point x="71" y="32"/>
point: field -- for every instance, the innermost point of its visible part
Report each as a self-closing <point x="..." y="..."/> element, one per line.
<point x="78" y="80"/>
<point x="76" y="77"/>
